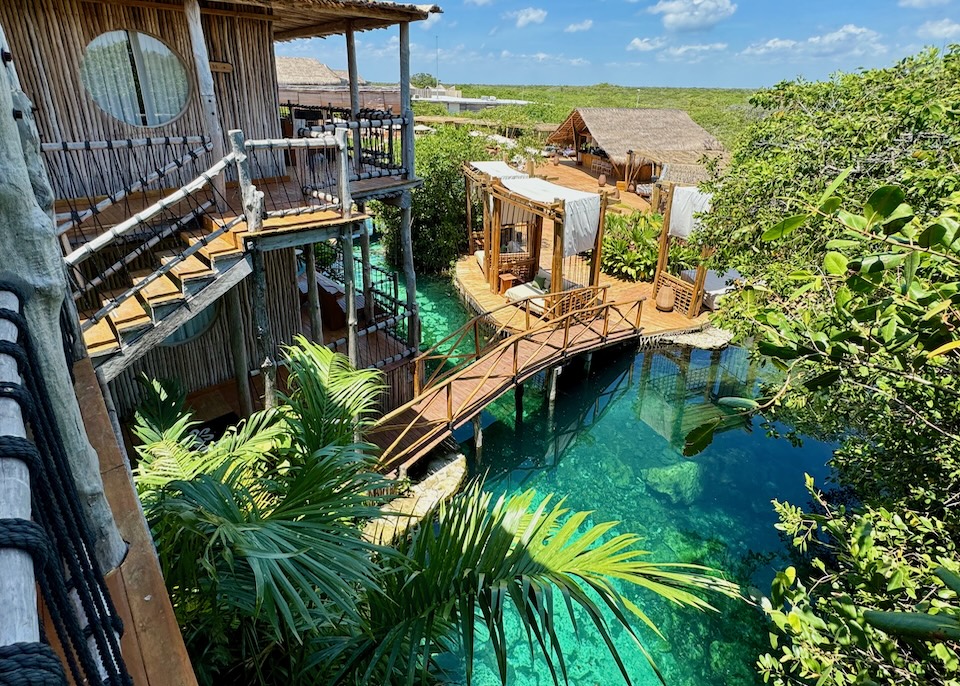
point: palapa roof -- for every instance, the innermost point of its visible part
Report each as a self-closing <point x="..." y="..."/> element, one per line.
<point x="307" y="18"/>
<point x="305" y="71"/>
<point x="345" y="77"/>
<point x="659" y="135"/>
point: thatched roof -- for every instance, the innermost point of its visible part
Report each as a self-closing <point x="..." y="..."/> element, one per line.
<point x="661" y="136"/>
<point x="345" y="77"/>
<point x="305" y="71"/>
<point x="307" y="18"/>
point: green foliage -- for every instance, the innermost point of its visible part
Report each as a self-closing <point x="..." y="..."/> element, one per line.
<point x="423" y="80"/>
<point x="439" y="216"/>
<point x="260" y="537"/>
<point x="841" y="207"/>
<point x="722" y="112"/>
<point x="631" y="245"/>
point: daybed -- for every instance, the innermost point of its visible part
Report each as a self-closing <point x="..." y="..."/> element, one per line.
<point x="715" y="285"/>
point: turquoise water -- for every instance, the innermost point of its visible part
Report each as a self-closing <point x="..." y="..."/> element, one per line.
<point x="612" y="445"/>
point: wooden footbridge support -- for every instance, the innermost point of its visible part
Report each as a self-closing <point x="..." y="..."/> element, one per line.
<point x="494" y="352"/>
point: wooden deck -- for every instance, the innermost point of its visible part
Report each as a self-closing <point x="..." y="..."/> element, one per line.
<point x="529" y="345"/>
<point x="568" y="174"/>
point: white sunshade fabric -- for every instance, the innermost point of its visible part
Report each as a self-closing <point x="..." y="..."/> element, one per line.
<point x="581" y="210"/>
<point x="687" y="202"/>
<point x="498" y="170"/>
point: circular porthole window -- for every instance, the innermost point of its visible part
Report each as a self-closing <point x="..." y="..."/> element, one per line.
<point x="135" y="78"/>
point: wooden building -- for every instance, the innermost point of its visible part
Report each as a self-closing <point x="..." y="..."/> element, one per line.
<point x="638" y="145"/>
<point x="189" y="220"/>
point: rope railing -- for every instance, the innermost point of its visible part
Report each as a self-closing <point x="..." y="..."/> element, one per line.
<point x="597" y="322"/>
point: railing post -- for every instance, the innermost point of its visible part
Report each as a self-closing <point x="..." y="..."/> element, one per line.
<point x="253" y="212"/>
<point x="606" y="320"/>
<point x="354" y="97"/>
<point x="417" y="367"/>
<point x="566" y="331"/>
<point x="476" y="337"/>
<point x="516" y="358"/>
<point x="449" y="403"/>
<point x="639" y="313"/>
<point x="527" y="308"/>
<point x="343" y="173"/>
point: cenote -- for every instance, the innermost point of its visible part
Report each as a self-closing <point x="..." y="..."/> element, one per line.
<point x="612" y="445"/>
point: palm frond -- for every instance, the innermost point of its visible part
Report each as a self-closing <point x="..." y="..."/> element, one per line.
<point x="291" y="555"/>
<point x="329" y="400"/>
<point x="482" y="555"/>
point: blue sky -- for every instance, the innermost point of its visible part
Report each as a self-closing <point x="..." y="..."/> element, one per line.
<point x="721" y="43"/>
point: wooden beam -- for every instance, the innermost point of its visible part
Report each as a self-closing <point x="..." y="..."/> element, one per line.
<point x="406" y="109"/>
<point x="493" y="275"/>
<point x="238" y="350"/>
<point x="354" y="78"/>
<point x="597" y="256"/>
<point x="191" y="307"/>
<point x="556" y="277"/>
<point x="313" y="293"/>
<point x="164" y="7"/>
<point x="664" y="251"/>
<point x="367" y="274"/>
<point x="350" y="297"/>
<point x="205" y="85"/>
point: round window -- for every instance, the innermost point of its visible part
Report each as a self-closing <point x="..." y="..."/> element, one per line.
<point x="135" y="78"/>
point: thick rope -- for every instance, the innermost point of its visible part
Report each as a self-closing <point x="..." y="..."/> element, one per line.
<point x="58" y="513"/>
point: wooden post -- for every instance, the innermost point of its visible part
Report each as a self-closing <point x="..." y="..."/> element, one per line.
<point x="409" y="274"/>
<point x="478" y="438"/>
<point x="628" y="173"/>
<point x="587" y="363"/>
<point x="367" y="273"/>
<point x="206" y="89"/>
<point x="313" y="293"/>
<point x="406" y="133"/>
<point x="471" y="243"/>
<point x="487" y="233"/>
<point x="253" y="212"/>
<point x="354" y="97"/>
<point x="493" y="275"/>
<point x="18" y="591"/>
<point x="597" y="256"/>
<point x="556" y="278"/>
<point x="238" y="350"/>
<point x="350" y="294"/>
<point x="664" y="252"/>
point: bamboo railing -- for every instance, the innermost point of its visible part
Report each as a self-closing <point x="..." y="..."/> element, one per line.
<point x="509" y="361"/>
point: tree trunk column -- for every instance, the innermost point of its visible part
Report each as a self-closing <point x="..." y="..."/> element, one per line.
<point x="409" y="273"/>
<point x="313" y="293"/>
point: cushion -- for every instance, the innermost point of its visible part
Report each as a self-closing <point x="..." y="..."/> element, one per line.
<point x="546" y="278"/>
<point x="540" y="281"/>
<point x="479" y="255"/>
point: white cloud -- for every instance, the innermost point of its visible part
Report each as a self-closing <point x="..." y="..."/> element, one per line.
<point x="944" y="29"/>
<point x="922" y="4"/>
<point x="645" y="44"/>
<point x="690" y="53"/>
<point x="692" y="15"/>
<point x="429" y="21"/>
<point x="528" y="15"/>
<point x="584" y="25"/>
<point x="544" y="58"/>
<point x="848" y="40"/>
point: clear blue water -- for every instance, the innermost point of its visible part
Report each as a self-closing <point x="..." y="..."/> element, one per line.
<point x="612" y="445"/>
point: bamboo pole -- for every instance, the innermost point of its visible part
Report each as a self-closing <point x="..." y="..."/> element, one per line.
<point x="493" y="274"/>
<point x="354" y="79"/>
<point x="206" y="88"/>
<point x="367" y="274"/>
<point x="238" y="350"/>
<point x="596" y="258"/>
<point x="313" y="293"/>
<point x="18" y="594"/>
<point x="350" y="295"/>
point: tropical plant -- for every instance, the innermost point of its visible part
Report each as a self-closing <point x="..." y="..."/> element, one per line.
<point x="631" y="244"/>
<point x="439" y="215"/>
<point x="849" y="243"/>
<point x="274" y="581"/>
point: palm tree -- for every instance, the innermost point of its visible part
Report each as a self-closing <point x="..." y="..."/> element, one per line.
<point x="274" y="581"/>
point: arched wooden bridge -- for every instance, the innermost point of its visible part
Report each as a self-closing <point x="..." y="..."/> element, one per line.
<point x="491" y="354"/>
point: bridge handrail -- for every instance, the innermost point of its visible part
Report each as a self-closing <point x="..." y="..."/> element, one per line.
<point x="519" y="307"/>
<point x="390" y="460"/>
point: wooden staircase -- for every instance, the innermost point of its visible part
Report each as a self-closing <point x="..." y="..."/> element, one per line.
<point x="168" y="301"/>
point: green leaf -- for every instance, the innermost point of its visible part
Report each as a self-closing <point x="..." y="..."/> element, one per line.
<point x="944" y="349"/>
<point x="835" y="263"/>
<point x="842" y="243"/>
<point x="873" y="264"/>
<point x="910" y="269"/>
<point x="834" y="185"/>
<point x="914" y="624"/>
<point x="784" y="228"/>
<point x="739" y="403"/>
<point x="823" y="380"/>
<point x="882" y="203"/>
<point x="949" y="578"/>
<point x="700" y="437"/>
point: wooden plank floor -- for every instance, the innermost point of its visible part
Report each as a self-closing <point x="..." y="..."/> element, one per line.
<point x="568" y="174"/>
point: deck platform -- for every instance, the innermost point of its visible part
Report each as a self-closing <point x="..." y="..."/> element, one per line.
<point x="568" y="174"/>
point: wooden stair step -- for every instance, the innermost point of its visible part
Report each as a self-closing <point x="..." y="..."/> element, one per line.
<point x="129" y="315"/>
<point x="219" y="247"/>
<point x="100" y="338"/>
<point x="160" y="291"/>
<point x="186" y="269"/>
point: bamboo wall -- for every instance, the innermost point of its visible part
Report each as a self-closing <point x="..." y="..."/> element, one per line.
<point x="48" y="38"/>
<point x="206" y="361"/>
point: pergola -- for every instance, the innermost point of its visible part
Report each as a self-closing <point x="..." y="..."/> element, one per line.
<point x="519" y="216"/>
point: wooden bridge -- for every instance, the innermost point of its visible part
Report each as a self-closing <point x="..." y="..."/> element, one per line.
<point x="492" y="353"/>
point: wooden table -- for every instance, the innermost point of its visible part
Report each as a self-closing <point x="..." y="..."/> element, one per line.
<point x="507" y="281"/>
